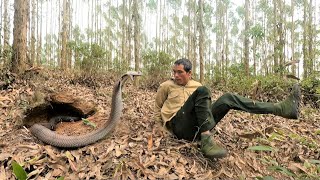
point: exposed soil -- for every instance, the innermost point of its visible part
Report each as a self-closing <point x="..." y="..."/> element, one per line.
<point x="139" y="148"/>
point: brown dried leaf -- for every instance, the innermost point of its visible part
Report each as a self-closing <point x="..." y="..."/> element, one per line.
<point x="150" y="142"/>
<point x="118" y="151"/>
<point x="150" y="161"/>
<point x="251" y="135"/>
<point x="4" y="156"/>
<point x="51" y="153"/>
<point x="57" y="172"/>
<point x="2" y="172"/>
<point x="296" y="167"/>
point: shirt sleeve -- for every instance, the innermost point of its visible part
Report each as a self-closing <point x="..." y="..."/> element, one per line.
<point x="161" y="96"/>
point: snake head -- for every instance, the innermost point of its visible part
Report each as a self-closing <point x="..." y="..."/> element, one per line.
<point x="132" y="74"/>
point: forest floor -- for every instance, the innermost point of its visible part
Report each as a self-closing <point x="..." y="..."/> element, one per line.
<point x="259" y="146"/>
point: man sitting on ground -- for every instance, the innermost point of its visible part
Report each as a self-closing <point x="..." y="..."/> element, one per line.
<point x="185" y="108"/>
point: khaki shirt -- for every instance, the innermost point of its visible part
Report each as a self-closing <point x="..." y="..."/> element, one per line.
<point x="171" y="97"/>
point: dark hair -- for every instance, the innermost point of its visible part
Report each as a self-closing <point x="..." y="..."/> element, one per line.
<point x="187" y="65"/>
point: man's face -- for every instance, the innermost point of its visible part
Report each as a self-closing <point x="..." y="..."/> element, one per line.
<point x="181" y="77"/>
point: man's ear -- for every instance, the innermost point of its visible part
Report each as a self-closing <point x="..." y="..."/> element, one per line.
<point x="190" y="74"/>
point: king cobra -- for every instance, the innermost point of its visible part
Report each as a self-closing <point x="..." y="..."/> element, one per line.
<point x="63" y="141"/>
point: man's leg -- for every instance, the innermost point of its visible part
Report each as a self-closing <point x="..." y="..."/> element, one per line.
<point x="195" y="116"/>
<point x="194" y="121"/>
<point x="288" y="108"/>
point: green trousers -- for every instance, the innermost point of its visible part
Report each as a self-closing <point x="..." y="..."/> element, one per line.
<point x="200" y="114"/>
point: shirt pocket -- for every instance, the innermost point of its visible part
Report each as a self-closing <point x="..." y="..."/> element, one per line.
<point x="174" y="98"/>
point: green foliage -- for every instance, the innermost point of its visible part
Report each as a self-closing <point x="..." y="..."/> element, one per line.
<point x="265" y="178"/>
<point x="18" y="171"/>
<point x="261" y="148"/>
<point x="89" y="123"/>
<point x="157" y="68"/>
<point x="5" y="55"/>
<point x="152" y="5"/>
<point x="88" y="56"/>
<point x="310" y="143"/>
<point x="256" y="32"/>
<point x="273" y="87"/>
<point x="311" y="89"/>
<point x="282" y="170"/>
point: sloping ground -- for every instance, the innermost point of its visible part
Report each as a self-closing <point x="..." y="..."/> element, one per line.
<point x="140" y="149"/>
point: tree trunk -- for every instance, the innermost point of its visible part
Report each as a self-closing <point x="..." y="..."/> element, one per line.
<point x="281" y="44"/>
<point x="194" y="40"/>
<point x="304" y="44"/>
<point x="129" y="30"/>
<point x="123" y="38"/>
<point x="310" y="40"/>
<point x="201" y="40"/>
<point x="33" y="36"/>
<point x="6" y="31"/>
<point x="189" y="30"/>
<point x="20" y="30"/>
<point x="246" y="39"/>
<point x="136" y="36"/>
<point x="39" y="33"/>
<point x="293" y="66"/>
<point x="275" y="39"/>
<point x="64" y="33"/>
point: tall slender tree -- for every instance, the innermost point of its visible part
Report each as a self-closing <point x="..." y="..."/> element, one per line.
<point x="310" y="40"/>
<point x="20" y="30"/>
<point x="201" y="40"/>
<point x="6" y="31"/>
<point x="32" y="58"/>
<point x="64" y="34"/>
<point x="293" y="58"/>
<point x="304" y="45"/>
<point x="246" y="38"/>
<point x="136" y="35"/>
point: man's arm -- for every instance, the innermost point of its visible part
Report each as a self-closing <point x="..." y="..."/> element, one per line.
<point x="161" y="97"/>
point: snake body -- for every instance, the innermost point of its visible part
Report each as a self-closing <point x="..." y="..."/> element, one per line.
<point x="50" y="137"/>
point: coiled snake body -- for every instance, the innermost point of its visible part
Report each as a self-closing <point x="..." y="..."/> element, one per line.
<point x="50" y="137"/>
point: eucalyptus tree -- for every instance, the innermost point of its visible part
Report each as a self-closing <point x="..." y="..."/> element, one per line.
<point x="32" y="31"/>
<point x="129" y="31"/>
<point x="136" y="36"/>
<point x="246" y="38"/>
<point x="109" y="35"/>
<point x="278" y="37"/>
<point x="189" y="25"/>
<point x="151" y="8"/>
<point x="311" y="41"/>
<point x="39" y="32"/>
<point x="201" y="40"/>
<point x="116" y="20"/>
<point x="20" y="30"/>
<point x="234" y="41"/>
<point x="221" y="38"/>
<point x="1" y="20"/>
<point x="6" y="31"/>
<point x="65" y="34"/>
<point x="292" y="37"/>
<point x="306" y="31"/>
<point x="256" y="33"/>
<point x="176" y="42"/>
<point x="77" y="46"/>
<point x="266" y="35"/>
<point x="218" y="32"/>
<point x="124" y="11"/>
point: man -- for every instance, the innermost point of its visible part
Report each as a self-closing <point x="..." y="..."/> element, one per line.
<point x="186" y="109"/>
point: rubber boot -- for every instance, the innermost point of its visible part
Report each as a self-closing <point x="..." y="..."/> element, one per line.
<point x="289" y="108"/>
<point x="211" y="149"/>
